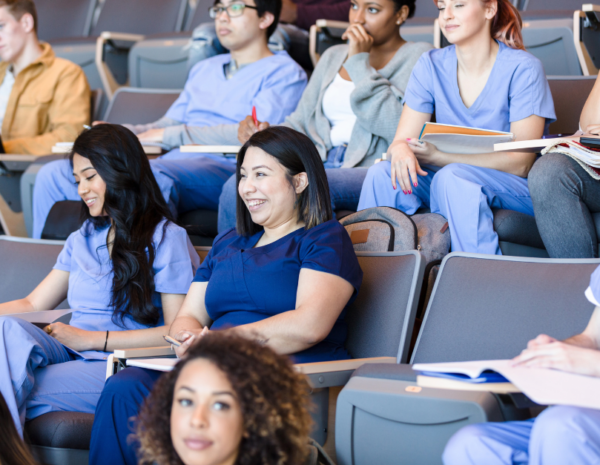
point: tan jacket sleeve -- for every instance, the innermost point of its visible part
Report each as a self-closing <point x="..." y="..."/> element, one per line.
<point x="67" y="113"/>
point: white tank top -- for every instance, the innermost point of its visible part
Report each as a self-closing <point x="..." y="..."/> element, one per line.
<point x="337" y="109"/>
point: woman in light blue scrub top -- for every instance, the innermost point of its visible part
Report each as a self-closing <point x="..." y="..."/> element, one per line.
<point x="125" y="274"/>
<point x="485" y="80"/>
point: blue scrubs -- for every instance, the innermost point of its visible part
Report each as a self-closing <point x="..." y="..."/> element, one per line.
<point x="40" y="375"/>
<point x="559" y="435"/>
<point x="273" y="85"/>
<point x="246" y="285"/>
<point x="516" y="89"/>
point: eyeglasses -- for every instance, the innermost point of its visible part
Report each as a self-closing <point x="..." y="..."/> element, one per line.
<point x="234" y="10"/>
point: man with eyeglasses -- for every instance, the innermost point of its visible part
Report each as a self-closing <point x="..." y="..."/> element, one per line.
<point x="297" y="17"/>
<point x="219" y="92"/>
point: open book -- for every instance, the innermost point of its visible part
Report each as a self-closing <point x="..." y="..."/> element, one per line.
<point x="543" y="386"/>
<point x="571" y="146"/>
<point x="461" y="139"/>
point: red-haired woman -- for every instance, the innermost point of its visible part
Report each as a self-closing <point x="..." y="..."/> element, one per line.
<point x="485" y="79"/>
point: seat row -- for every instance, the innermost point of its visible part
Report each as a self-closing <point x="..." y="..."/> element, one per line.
<point x="518" y="232"/>
<point x="481" y="307"/>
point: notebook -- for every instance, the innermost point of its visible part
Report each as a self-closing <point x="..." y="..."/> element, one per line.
<point x="543" y="386"/>
<point x="462" y="139"/>
<point x="150" y="148"/>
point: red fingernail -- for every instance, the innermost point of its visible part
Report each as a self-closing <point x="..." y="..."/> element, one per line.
<point x="410" y="192"/>
<point x="408" y="138"/>
<point x="394" y="187"/>
<point x="415" y="184"/>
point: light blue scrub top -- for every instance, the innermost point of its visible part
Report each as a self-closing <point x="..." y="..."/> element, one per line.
<point x="273" y="84"/>
<point x="593" y="291"/>
<point x="85" y="257"/>
<point x="516" y="89"/>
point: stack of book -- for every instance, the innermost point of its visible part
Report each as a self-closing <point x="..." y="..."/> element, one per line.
<point x="584" y="149"/>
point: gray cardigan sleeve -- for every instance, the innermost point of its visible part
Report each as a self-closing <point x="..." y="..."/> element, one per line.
<point x="300" y="118"/>
<point x="377" y="101"/>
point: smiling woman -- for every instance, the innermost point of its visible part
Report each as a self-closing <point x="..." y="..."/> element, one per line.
<point x="124" y="273"/>
<point x="285" y="278"/>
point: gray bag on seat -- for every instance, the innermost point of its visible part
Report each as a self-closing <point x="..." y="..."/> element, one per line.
<point x="386" y="229"/>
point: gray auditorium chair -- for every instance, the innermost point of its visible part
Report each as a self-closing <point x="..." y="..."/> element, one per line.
<point x="199" y="15"/>
<point x="482" y="307"/>
<point x="159" y="61"/>
<point x="135" y="106"/>
<point x="59" y="19"/>
<point x="26" y="264"/>
<point x="586" y="35"/>
<point x="133" y="17"/>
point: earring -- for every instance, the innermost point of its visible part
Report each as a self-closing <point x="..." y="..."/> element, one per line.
<point x="398" y="23"/>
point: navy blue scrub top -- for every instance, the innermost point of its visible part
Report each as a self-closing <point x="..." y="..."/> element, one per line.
<point x="247" y="284"/>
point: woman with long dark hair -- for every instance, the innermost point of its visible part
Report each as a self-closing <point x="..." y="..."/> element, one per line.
<point x="284" y="277"/>
<point x="13" y="450"/>
<point x="486" y="80"/>
<point x="125" y="274"/>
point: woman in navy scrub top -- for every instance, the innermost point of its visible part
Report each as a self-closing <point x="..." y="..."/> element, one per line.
<point x="284" y="277"/>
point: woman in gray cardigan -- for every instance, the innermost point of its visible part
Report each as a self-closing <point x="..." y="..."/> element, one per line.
<point x="352" y="104"/>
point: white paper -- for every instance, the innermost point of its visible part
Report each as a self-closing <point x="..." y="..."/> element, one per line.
<point x="47" y="316"/>
<point x="157" y="364"/>
<point x="543" y="386"/>
<point x="465" y="144"/>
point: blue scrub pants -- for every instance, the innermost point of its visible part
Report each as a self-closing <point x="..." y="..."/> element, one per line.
<point x="463" y="194"/>
<point x="39" y="375"/>
<point x="187" y="181"/>
<point x="559" y="436"/>
<point x="119" y="404"/>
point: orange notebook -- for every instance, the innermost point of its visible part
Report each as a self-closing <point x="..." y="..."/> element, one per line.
<point x="461" y="139"/>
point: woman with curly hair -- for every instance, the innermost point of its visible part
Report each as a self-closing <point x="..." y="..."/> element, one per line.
<point x="125" y="274"/>
<point x="229" y="401"/>
<point x="284" y="276"/>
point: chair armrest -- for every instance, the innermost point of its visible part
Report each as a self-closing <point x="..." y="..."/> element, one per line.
<point x="337" y="373"/>
<point x="16" y="162"/>
<point x="315" y="29"/>
<point x="321" y="23"/>
<point x="144" y="352"/>
<point x="196" y="148"/>
<point x="109" y="82"/>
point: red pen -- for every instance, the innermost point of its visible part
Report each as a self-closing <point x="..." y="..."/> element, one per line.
<point x="254" y="116"/>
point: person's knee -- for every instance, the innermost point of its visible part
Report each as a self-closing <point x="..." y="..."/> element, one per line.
<point x="550" y="171"/>
<point x="450" y="176"/>
<point x="10" y="325"/>
<point x="130" y="385"/>
<point x="559" y="425"/>
<point x="457" y="448"/>
<point x="378" y="172"/>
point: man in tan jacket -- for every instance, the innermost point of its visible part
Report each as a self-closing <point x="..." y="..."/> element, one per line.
<point x="43" y="99"/>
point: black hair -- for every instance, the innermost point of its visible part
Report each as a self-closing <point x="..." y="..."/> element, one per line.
<point x="271" y="6"/>
<point x="298" y="154"/>
<point x="264" y="6"/>
<point x="409" y="3"/>
<point x="134" y="207"/>
<point x="13" y="450"/>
